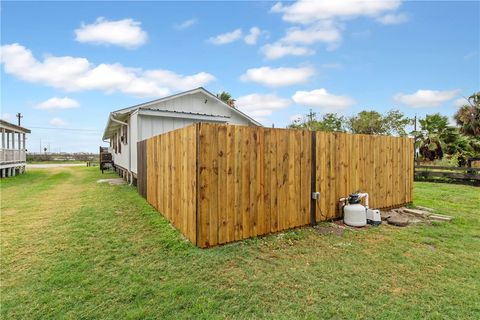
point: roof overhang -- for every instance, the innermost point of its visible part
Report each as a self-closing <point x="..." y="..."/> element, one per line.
<point x="113" y="126"/>
<point x="13" y="127"/>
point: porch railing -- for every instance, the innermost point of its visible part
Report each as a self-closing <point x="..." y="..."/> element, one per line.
<point x="12" y="156"/>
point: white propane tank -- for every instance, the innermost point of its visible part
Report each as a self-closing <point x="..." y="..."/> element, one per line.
<point x="354" y="214"/>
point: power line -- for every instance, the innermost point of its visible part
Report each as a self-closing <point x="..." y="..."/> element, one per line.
<point x="64" y="129"/>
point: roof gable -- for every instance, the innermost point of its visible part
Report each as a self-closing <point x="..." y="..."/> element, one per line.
<point x="151" y="104"/>
<point x="160" y="105"/>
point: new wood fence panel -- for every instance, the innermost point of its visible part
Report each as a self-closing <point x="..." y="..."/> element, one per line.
<point x="221" y="183"/>
<point x="267" y="169"/>
<point x="378" y="165"/>
<point x="171" y="177"/>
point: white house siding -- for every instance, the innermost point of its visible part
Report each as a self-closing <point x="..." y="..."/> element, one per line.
<point x="152" y="126"/>
<point x="134" y="127"/>
<point x="195" y="103"/>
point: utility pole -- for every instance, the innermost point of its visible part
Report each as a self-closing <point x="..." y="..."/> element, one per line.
<point x="19" y="116"/>
<point x="311" y="116"/>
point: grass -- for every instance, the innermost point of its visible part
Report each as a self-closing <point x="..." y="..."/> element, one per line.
<point x="72" y="248"/>
<point x="55" y="162"/>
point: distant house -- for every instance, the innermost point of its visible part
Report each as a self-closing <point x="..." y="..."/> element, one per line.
<point x="12" y="156"/>
<point x="125" y="127"/>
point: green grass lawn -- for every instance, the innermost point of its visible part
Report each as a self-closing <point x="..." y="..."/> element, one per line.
<point x="56" y="162"/>
<point x="72" y="248"/>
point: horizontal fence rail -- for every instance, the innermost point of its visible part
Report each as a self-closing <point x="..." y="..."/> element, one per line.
<point x="453" y="173"/>
<point x="222" y="183"/>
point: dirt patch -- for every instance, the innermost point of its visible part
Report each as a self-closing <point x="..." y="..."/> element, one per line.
<point x="403" y="216"/>
<point x="330" y="228"/>
<point x="115" y="181"/>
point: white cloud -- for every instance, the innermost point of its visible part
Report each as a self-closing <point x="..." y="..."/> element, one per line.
<point x="225" y="38"/>
<point x="460" y="102"/>
<point x="261" y="105"/>
<point x="307" y="11"/>
<point x="321" y="98"/>
<point x="78" y="74"/>
<point x="252" y="37"/>
<point x="185" y="24"/>
<point x="426" y="98"/>
<point x="57" y="122"/>
<point x="393" y="18"/>
<point x="317" y="33"/>
<point x="176" y="81"/>
<point x="277" y="77"/>
<point x="58" y="103"/>
<point x="278" y="50"/>
<point x="125" y="33"/>
<point x="296" y="40"/>
<point x="323" y="21"/>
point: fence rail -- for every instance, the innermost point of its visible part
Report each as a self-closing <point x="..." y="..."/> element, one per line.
<point x="467" y="174"/>
<point x="222" y="183"/>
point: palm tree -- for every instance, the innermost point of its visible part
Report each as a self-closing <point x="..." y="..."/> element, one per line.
<point x="227" y="98"/>
<point x="468" y="116"/>
<point x="429" y="139"/>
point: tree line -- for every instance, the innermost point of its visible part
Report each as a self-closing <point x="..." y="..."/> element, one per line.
<point x="435" y="139"/>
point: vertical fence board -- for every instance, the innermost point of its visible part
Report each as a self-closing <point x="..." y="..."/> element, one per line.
<point x="230" y="183"/>
<point x="253" y="181"/>
<point x="238" y="184"/>
<point x="245" y="197"/>
<point x="273" y="152"/>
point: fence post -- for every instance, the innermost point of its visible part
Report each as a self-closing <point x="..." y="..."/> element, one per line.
<point x="313" y="202"/>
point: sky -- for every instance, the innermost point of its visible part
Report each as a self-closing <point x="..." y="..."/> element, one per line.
<point x="66" y="65"/>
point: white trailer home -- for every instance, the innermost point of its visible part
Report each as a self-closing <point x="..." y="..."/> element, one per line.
<point x="13" y="153"/>
<point x="125" y="127"/>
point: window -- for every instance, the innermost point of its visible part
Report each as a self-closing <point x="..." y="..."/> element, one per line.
<point x="125" y="134"/>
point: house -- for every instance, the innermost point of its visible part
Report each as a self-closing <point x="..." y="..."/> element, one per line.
<point x="13" y="153"/>
<point x="125" y="127"/>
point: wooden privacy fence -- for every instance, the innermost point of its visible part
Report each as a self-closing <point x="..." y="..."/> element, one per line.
<point x="222" y="183"/>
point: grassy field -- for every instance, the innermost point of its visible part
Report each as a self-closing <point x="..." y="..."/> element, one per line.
<point x="56" y="162"/>
<point x="72" y="248"/>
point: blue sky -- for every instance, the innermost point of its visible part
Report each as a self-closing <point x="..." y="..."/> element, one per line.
<point x="66" y="65"/>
